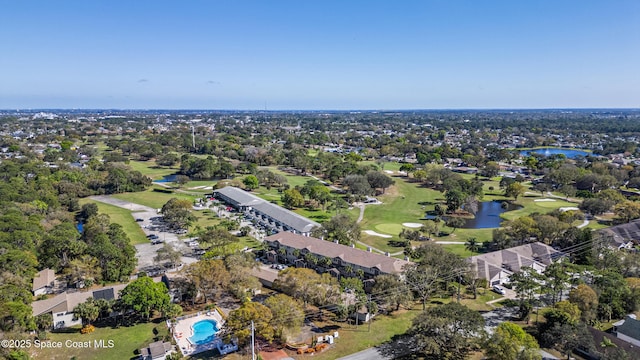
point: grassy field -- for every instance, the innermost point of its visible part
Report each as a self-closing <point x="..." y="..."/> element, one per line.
<point x="151" y="169"/>
<point x="123" y="217"/>
<point x="126" y="340"/>
<point x="152" y="198"/>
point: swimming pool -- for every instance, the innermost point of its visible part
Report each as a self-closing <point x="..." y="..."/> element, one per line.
<point x="204" y="332"/>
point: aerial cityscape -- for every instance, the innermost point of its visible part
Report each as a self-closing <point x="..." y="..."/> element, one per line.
<point x="320" y="180"/>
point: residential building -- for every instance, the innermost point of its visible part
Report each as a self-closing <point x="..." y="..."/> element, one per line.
<point x="628" y="330"/>
<point x="623" y="236"/>
<point x="345" y="260"/>
<point x="61" y="306"/>
<point x="158" y="350"/>
<point x="271" y="216"/>
<point x="44" y="282"/>
<point x="497" y="266"/>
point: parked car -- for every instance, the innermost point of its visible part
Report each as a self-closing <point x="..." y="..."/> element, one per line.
<point x="499" y="289"/>
<point x="153" y="236"/>
<point x="139" y="220"/>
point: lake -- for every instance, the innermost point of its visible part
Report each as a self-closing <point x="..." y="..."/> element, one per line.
<point x="569" y="153"/>
<point x="488" y="215"/>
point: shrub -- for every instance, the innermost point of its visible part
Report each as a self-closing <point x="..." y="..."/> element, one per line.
<point x="87" y="329"/>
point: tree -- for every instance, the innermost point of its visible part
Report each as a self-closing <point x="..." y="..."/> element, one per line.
<point x="514" y="190"/>
<point x="83" y="271"/>
<point x="378" y="180"/>
<point x="88" y="311"/>
<point x="341" y="227"/>
<point x="454" y="199"/>
<point x="239" y="320"/>
<point x="566" y="337"/>
<point x="449" y="331"/>
<point x="526" y="283"/>
<point x="434" y="265"/>
<point x="177" y="213"/>
<point x="219" y="242"/>
<point x="143" y="295"/>
<point x="208" y="276"/>
<point x="510" y="342"/>
<point x="491" y="169"/>
<point x="251" y="182"/>
<point x="587" y="301"/>
<point x="391" y="291"/>
<point x="357" y="185"/>
<point x="556" y="280"/>
<point x="288" y="315"/>
<point x="169" y="254"/>
<point x="455" y="222"/>
<point x="472" y="244"/>
<point x="292" y="198"/>
<point x="307" y="285"/>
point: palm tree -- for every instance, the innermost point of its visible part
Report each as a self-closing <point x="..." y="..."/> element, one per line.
<point x="326" y="262"/>
<point x="311" y="259"/>
<point x="472" y="244"/>
<point x="360" y="273"/>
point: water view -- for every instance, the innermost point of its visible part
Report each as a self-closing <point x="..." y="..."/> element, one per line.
<point x="488" y="215"/>
<point x="569" y="153"/>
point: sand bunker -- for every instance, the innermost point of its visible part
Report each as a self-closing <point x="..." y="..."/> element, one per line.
<point x="371" y="232"/>
<point x="544" y="200"/>
<point x="569" y="208"/>
<point x="412" y="225"/>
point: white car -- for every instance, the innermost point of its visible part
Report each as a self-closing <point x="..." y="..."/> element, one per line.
<point x="499" y="289"/>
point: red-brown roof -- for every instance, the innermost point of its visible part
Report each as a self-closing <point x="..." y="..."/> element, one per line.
<point x="386" y="264"/>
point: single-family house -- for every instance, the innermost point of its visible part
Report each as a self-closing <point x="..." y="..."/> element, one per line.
<point x="44" y="282"/>
<point x="623" y="236"/>
<point x="497" y="266"/>
<point x="61" y="306"/>
<point x="628" y="330"/>
<point x="158" y="350"/>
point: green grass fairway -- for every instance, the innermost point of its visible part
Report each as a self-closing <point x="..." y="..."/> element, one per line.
<point x="126" y="340"/>
<point x="152" y="198"/>
<point x="151" y="169"/>
<point x="123" y="217"/>
<point x="390" y="229"/>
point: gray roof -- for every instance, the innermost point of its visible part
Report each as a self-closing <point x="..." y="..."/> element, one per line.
<point x="293" y="220"/>
<point x="621" y="234"/>
<point x="242" y="197"/>
<point x="630" y="327"/>
<point x="513" y="259"/>
<point x="43" y="278"/>
<point x="67" y="301"/>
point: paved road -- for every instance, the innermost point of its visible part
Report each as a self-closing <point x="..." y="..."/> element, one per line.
<point x="368" y="354"/>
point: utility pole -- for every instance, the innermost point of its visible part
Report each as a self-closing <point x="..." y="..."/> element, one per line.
<point x="369" y="319"/>
<point x="253" y="340"/>
<point x="193" y="136"/>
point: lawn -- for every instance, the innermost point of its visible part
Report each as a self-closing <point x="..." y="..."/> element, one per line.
<point x="151" y="169"/>
<point x="153" y="199"/>
<point x="123" y="217"/>
<point x="352" y="339"/>
<point x="126" y="340"/>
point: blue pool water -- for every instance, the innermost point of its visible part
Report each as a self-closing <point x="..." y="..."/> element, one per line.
<point x="204" y="332"/>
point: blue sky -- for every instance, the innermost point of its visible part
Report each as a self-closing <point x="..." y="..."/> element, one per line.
<point x="303" y="54"/>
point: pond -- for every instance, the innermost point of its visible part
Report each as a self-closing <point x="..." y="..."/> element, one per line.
<point x="569" y="153"/>
<point x="167" y="179"/>
<point x="488" y="215"/>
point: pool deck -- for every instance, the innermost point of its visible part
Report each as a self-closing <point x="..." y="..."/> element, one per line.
<point x="183" y="330"/>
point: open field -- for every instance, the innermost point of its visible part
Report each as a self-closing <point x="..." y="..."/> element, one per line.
<point x="123" y="217"/>
<point x="151" y="169"/>
<point x="152" y="198"/>
<point x="126" y="340"/>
